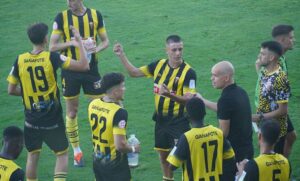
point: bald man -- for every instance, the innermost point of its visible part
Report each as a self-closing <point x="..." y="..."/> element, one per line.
<point x="233" y="110"/>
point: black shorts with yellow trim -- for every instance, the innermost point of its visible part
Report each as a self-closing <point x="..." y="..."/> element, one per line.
<point x="168" y="130"/>
<point x="112" y="170"/>
<point x="54" y="137"/>
<point x="73" y="81"/>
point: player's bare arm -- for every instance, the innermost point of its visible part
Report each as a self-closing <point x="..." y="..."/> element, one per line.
<point x="132" y="70"/>
<point x="14" y="89"/>
<point x="281" y="111"/>
<point x="104" y="42"/>
<point x="122" y="146"/>
<point x="56" y="44"/>
<point x="164" y="91"/>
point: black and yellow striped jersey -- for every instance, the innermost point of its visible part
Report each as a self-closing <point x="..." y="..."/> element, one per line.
<point x="36" y="75"/>
<point x="89" y="25"/>
<point x="107" y="119"/>
<point x="201" y="152"/>
<point x="180" y="81"/>
<point x="10" y="171"/>
<point x="267" y="167"/>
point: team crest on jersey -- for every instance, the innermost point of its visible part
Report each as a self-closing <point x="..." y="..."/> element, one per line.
<point x="55" y="26"/>
<point x="97" y="84"/>
<point x="122" y="124"/>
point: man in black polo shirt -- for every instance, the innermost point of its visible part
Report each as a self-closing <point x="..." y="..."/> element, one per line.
<point x="233" y="110"/>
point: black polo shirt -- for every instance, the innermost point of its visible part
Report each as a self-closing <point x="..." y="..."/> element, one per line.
<point x="234" y="105"/>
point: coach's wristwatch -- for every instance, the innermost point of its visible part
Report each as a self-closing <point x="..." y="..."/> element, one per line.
<point x="261" y="116"/>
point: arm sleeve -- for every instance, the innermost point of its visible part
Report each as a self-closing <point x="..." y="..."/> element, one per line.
<point x="228" y="152"/>
<point x="251" y="170"/>
<point x="179" y="153"/>
<point x="283" y="89"/>
<point x="101" y="25"/>
<point x="148" y="70"/>
<point x="13" y="77"/>
<point x="225" y="108"/>
<point x="58" y="60"/>
<point x="189" y="84"/>
<point x="58" y="24"/>
<point x="120" y="122"/>
<point x="17" y="175"/>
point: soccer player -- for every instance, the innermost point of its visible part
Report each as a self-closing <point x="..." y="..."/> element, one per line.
<point x="35" y="72"/>
<point x="283" y="34"/>
<point x="108" y="120"/>
<point x="173" y="78"/>
<point x="90" y="24"/>
<point x="268" y="165"/>
<point x="233" y="110"/>
<point x="274" y="90"/>
<point x="11" y="149"/>
<point x="203" y="151"/>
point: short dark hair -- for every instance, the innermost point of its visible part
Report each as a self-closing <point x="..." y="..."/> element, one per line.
<point x="195" y="108"/>
<point x="270" y="131"/>
<point x="37" y="33"/>
<point x="111" y="79"/>
<point x="273" y="46"/>
<point x="173" y="39"/>
<point x="281" y="30"/>
<point x="12" y="132"/>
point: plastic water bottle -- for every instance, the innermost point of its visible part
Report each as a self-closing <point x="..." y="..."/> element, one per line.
<point x="133" y="158"/>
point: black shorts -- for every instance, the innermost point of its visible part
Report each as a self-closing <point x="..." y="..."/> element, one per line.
<point x="279" y="146"/>
<point x="290" y="126"/>
<point x="72" y="83"/>
<point x="55" y="138"/>
<point x="112" y="170"/>
<point x="241" y="153"/>
<point x="167" y="131"/>
<point x="229" y="170"/>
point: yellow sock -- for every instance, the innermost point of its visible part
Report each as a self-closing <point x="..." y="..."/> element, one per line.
<point x="60" y="176"/>
<point x="27" y="179"/>
<point x="72" y="131"/>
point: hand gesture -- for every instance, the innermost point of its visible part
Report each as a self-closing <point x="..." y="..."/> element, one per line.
<point x="164" y="90"/>
<point x="241" y="166"/>
<point x="198" y="95"/>
<point x="255" y="118"/>
<point x="189" y="95"/>
<point x="118" y="49"/>
<point x="137" y="148"/>
<point x="77" y="38"/>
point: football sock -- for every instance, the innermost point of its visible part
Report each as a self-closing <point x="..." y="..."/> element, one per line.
<point x="60" y="176"/>
<point x="167" y="179"/>
<point x="72" y="132"/>
<point x="27" y="179"/>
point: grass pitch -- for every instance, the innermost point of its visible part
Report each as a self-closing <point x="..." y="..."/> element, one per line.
<point x="211" y="30"/>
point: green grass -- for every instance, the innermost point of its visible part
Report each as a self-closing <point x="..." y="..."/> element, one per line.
<point x="212" y="31"/>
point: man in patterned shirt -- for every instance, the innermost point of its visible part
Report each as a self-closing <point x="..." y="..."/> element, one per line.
<point x="274" y="90"/>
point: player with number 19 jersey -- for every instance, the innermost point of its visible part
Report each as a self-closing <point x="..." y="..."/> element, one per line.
<point x="36" y="74"/>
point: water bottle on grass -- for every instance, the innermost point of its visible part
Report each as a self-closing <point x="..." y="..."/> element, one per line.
<point x="133" y="158"/>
